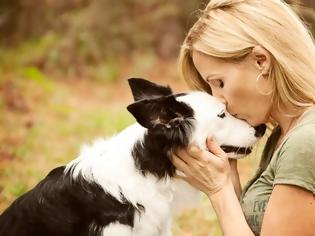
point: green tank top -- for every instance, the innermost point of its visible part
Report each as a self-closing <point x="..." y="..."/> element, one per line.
<point x="292" y="163"/>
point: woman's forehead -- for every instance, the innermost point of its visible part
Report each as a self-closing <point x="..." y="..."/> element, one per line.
<point x="205" y="64"/>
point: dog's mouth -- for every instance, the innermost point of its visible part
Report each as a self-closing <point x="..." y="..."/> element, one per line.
<point x="238" y="151"/>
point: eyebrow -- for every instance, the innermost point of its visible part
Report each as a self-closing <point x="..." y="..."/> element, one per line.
<point x="212" y="75"/>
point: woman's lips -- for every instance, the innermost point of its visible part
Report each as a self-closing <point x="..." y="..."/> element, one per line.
<point x="241" y="118"/>
<point x="238" y="117"/>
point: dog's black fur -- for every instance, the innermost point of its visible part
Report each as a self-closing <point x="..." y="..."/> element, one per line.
<point x="164" y="136"/>
<point x="61" y="206"/>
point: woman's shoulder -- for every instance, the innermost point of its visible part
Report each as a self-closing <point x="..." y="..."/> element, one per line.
<point x="295" y="161"/>
<point x="300" y="144"/>
<point x="294" y="164"/>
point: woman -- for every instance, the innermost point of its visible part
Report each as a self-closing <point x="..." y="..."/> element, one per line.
<point x="259" y="59"/>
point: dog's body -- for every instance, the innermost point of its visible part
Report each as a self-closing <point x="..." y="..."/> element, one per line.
<point x="123" y="185"/>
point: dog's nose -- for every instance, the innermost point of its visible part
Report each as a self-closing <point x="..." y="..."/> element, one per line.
<point x="260" y="130"/>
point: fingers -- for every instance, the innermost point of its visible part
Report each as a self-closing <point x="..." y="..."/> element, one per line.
<point x="184" y="161"/>
<point x="179" y="163"/>
<point x="215" y="148"/>
<point x="199" y="154"/>
<point x="195" y="158"/>
<point x="184" y="155"/>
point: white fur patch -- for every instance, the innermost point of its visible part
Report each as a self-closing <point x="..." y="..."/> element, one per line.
<point x="227" y="131"/>
<point x="117" y="229"/>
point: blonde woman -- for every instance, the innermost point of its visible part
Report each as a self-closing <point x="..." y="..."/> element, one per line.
<point x="259" y="59"/>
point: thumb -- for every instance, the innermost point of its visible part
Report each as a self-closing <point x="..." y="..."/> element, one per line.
<point x="214" y="148"/>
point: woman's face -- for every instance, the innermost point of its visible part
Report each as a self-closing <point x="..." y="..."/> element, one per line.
<point x="235" y="85"/>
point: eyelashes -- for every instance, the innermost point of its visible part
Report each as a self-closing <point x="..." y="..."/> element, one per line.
<point x="221" y="83"/>
<point x="216" y="82"/>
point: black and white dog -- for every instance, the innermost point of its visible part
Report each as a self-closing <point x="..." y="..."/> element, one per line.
<point x="123" y="185"/>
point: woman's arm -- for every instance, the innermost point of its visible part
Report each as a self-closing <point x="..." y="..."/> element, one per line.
<point x="291" y="211"/>
<point x="229" y="212"/>
<point x="211" y="173"/>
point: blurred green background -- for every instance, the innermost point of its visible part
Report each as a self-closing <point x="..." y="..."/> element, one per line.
<point x="63" y="70"/>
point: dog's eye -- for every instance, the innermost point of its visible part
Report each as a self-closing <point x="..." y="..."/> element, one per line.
<point x="221" y="115"/>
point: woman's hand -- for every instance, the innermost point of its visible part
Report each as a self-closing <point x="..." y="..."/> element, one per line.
<point x="208" y="171"/>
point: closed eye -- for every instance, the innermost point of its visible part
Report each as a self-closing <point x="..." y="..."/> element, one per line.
<point x="215" y="82"/>
<point x="221" y="115"/>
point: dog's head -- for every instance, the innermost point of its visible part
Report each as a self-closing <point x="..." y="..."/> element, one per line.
<point x="191" y="117"/>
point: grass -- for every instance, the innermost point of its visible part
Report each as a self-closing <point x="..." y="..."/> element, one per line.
<point x="44" y="122"/>
<point x="48" y="131"/>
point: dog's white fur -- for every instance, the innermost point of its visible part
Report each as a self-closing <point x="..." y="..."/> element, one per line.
<point x="109" y="163"/>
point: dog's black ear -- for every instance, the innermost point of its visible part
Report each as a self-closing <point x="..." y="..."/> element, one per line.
<point x="164" y="112"/>
<point x="144" y="89"/>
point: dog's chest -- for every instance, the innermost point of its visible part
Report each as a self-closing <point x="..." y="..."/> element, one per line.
<point x="113" y="167"/>
<point x="157" y="202"/>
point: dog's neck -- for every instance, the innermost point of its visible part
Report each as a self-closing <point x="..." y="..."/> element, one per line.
<point x="152" y="154"/>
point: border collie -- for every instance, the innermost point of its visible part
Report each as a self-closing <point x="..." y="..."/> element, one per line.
<point x="123" y="185"/>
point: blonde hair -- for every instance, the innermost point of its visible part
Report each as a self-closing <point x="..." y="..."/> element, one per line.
<point x="229" y="29"/>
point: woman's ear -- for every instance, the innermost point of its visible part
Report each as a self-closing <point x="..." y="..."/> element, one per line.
<point x="262" y="59"/>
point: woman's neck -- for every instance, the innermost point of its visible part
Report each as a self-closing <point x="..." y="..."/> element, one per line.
<point x="288" y="119"/>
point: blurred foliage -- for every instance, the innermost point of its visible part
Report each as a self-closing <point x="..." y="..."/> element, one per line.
<point x="70" y="35"/>
<point x="75" y="33"/>
<point x="24" y="19"/>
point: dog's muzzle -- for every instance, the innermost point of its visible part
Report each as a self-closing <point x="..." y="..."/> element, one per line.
<point x="237" y="150"/>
